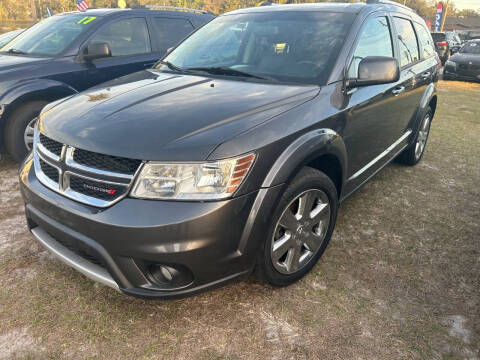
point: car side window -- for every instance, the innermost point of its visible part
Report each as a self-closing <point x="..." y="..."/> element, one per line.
<point x="426" y="41"/>
<point x="407" y="41"/>
<point x="169" y="32"/>
<point x="375" y="40"/>
<point x="124" y="37"/>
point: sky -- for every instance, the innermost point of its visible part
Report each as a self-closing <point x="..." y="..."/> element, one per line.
<point x="467" y="4"/>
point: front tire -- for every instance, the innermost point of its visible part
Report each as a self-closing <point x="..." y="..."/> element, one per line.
<point x="301" y="228"/>
<point x="19" y="131"/>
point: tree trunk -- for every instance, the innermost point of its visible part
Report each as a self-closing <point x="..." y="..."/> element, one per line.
<point x="33" y="8"/>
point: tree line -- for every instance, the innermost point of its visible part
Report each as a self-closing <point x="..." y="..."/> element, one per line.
<point x="33" y="10"/>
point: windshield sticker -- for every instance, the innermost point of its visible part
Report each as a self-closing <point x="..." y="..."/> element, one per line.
<point x="86" y="20"/>
<point x="280" y="48"/>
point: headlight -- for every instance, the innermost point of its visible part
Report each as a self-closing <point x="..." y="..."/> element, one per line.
<point x="451" y="63"/>
<point x="192" y="181"/>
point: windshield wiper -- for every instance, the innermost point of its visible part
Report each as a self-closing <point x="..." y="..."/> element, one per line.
<point x="171" y="66"/>
<point x="16" y="51"/>
<point x="224" y="70"/>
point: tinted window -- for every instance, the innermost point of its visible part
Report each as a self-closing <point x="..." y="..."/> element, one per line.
<point x="290" y="46"/>
<point x="407" y="41"/>
<point x="169" y="32"/>
<point x="438" y="36"/>
<point x="124" y="37"/>
<point x="426" y="41"/>
<point x="51" y="36"/>
<point x="375" y="40"/>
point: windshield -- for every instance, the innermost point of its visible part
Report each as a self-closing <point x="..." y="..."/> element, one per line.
<point x="471" y="48"/>
<point x="51" y="36"/>
<point x="5" y="38"/>
<point x="298" y="47"/>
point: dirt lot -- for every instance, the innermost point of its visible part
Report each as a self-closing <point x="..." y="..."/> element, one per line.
<point x="400" y="279"/>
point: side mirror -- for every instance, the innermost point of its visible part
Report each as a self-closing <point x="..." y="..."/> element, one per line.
<point x="375" y="70"/>
<point x="97" y="51"/>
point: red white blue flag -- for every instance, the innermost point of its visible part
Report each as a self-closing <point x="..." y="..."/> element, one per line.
<point x="82" y="5"/>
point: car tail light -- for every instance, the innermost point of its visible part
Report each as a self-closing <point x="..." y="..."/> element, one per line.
<point x="442" y="43"/>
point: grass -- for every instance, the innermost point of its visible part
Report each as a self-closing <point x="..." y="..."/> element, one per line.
<point x="400" y="279"/>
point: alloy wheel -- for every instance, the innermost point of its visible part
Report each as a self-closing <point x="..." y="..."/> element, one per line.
<point x="300" y="231"/>
<point x="422" y="137"/>
<point x="28" y="134"/>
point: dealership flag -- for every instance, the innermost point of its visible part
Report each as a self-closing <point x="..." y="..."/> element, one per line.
<point x="82" y="5"/>
<point x="438" y="18"/>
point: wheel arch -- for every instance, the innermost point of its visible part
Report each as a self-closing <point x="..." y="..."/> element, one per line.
<point x="37" y="90"/>
<point x="321" y="149"/>
<point x="433" y="104"/>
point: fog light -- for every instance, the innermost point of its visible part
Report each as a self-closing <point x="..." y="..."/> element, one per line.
<point x="162" y="274"/>
<point x="169" y="278"/>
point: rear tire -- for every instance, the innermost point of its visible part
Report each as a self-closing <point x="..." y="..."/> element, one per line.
<point x="413" y="153"/>
<point x="16" y="126"/>
<point x="301" y="227"/>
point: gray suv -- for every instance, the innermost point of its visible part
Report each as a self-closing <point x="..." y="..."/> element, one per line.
<point x="233" y="153"/>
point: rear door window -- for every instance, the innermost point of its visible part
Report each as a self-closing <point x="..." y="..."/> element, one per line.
<point x="125" y="37"/>
<point x="428" y="49"/>
<point x="407" y="41"/>
<point x="438" y="37"/>
<point x="169" y="32"/>
<point x="375" y="40"/>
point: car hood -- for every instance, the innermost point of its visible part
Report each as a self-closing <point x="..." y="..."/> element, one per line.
<point x="462" y="58"/>
<point x="155" y="115"/>
<point x="13" y="62"/>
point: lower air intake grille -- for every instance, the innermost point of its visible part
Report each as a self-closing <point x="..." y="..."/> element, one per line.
<point x="87" y="255"/>
<point x="106" y="162"/>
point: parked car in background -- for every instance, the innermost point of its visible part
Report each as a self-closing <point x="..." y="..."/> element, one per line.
<point x="68" y="53"/>
<point x="233" y="154"/>
<point x="446" y="44"/>
<point x="467" y="35"/>
<point x="6" y="37"/>
<point x="464" y="65"/>
<point x="454" y="41"/>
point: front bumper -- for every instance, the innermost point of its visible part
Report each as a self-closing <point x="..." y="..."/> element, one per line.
<point x="465" y="73"/>
<point x="212" y="242"/>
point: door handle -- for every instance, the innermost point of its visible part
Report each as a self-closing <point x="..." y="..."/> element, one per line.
<point x="398" y="90"/>
<point x="426" y="75"/>
<point x="150" y="64"/>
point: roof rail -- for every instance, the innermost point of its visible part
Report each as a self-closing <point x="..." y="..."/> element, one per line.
<point x="172" y="8"/>
<point x="389" y="2"/>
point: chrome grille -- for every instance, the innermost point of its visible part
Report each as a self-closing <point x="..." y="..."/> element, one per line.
<point x="106" y="162"/>
<point x="49" y="171"/>
<point x="91" y="178"/>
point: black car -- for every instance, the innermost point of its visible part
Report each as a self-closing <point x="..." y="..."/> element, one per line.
<point x="234" y="153"/>
<point x="68" y="53"/>
<point x="465" y="65"/>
